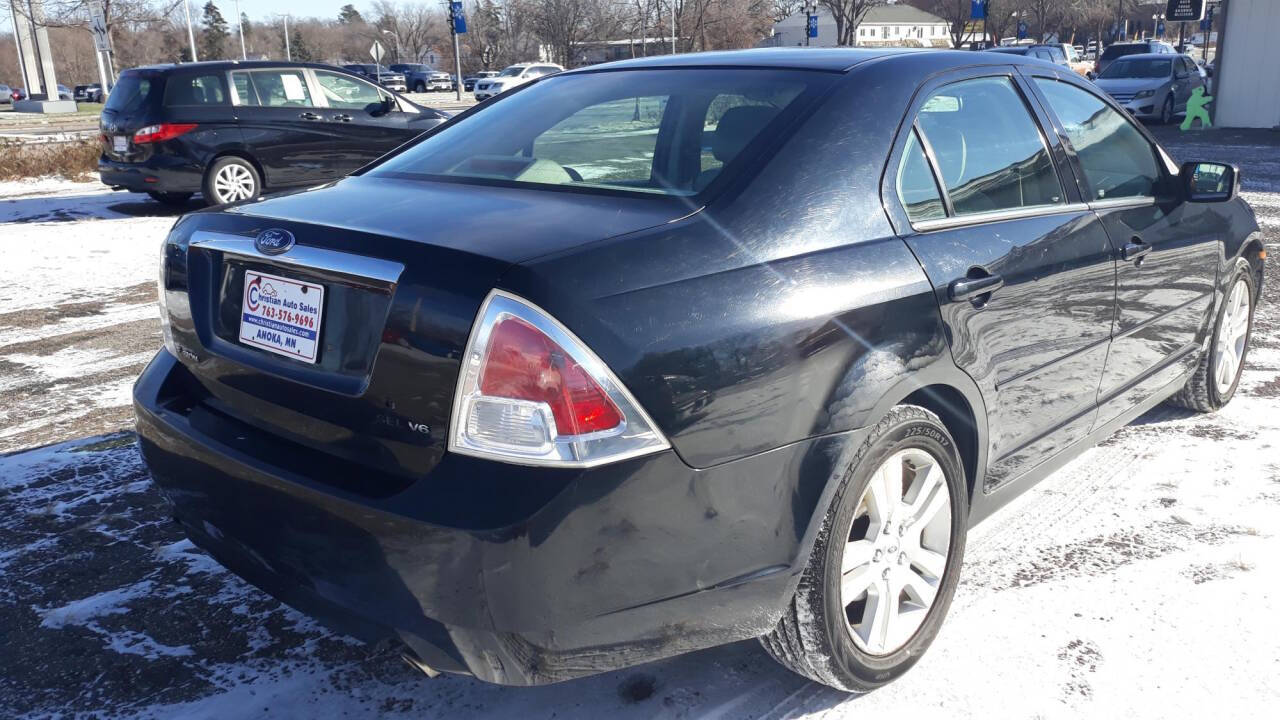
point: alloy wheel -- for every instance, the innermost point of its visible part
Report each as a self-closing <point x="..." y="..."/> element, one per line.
<point x="1166" y="113"/>
<point x="1233" y="330"/>
<point x="233" y="183"/>
<point x="896" y="552"/>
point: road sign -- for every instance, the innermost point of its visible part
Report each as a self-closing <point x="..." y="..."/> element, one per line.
<point x="377" y="52"/>
<point x="1207" y="22"/>
<point x="813" y="26"/>
<point x="98" y="26"/>
<point x="459" y="20"/>
<point x="1184" y="10"/>
<point x="1022" y="30"/>
<point x="978" y="9"/>
<point x="1159" y="28"/>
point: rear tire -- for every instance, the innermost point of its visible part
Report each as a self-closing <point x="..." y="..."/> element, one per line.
<point x="890" y="515"/>
<point x="231" y="179"/>
<point x="174" y="199"/>
<point x="1217" y="374"/>
<point x="419" y="87"/>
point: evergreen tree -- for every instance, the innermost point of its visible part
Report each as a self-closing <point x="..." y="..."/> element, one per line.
<point x="300" y="50"/>
<point x="349" y="15"/>
<point x="213" y="38"/>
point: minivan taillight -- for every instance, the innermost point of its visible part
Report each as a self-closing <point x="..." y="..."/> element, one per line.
<point x="161" y="132"/>
<point x="531" y="393"/>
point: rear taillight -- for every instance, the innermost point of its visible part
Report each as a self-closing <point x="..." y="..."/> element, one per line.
<point x="161" y="132"/>
<point x="531" y="393"/>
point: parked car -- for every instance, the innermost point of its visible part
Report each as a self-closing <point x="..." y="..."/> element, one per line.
<point x="1075" y="58"/>
<point x="6" y="94"/>
<point x="1049" y="53"/>
<point x="415" y="75"/>
<point x="88" y="93"/>
<point x="379" y="75"/>
<point x="440" y="81"/>
<point x="233" y="130"/>
<point x="553" y="422"/>
<point x="514" y="76"/>
<point x="64" y="93"/>
<point x="469" y="82"/>
<point x="1154" y="86"/>
<point x="1119" y="50"/>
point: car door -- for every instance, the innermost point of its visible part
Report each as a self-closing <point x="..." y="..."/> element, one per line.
<point x="282" y="126"/>
<point x="1022" y="270"/>
<point x="361" y="127"/>
<point x="1167" y="249"/>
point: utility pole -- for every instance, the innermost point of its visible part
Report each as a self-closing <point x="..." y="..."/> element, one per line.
<point x="675" y="32"/>
<point x="288" y="54"/>
<point x="191" y="33"/>
<point x="240" y="25"/>
<point x="455" y="9"/>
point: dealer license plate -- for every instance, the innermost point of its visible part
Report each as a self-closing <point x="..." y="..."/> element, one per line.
<point x="281" y="315"/>
<point x="120" y="143"/>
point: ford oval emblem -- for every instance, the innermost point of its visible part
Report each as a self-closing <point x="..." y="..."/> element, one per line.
<point x="273" y="241"/>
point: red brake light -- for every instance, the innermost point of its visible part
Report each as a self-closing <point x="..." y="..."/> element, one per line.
<point x="162" y="132"/>
<point x="522" y="363"/>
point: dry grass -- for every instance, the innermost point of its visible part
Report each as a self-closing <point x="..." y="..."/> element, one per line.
<point x="74" y="160"/>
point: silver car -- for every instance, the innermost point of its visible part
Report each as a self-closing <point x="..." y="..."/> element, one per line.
<point x="1151" y="85"/>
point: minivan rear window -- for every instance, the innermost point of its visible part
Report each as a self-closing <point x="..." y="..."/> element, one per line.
<point x="1116" y="51"/>
<point x="132" y="92"/>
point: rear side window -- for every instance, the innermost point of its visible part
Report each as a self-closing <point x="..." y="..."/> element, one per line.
<point x="576" y="141"/>
<point x="1117" y="160"/>
<point x="194" y="90"/>
<point x="131" y="93"/>
<point x="988" y="149"/>
<point x="274" y="88"/>
<point x="917" y="187"/>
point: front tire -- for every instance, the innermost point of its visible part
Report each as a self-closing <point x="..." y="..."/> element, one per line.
<point x="419" y="87"/>
<point x="1217" y="373"/>
<point x="1166" y="111"/>
<point x="231" y="179"/>
<point x="886" y="561"/>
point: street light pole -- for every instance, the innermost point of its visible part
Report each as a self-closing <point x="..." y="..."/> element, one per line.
<point x="191" y="33"/>
<point x="288" y="54"/>
<point x="240" y="25"/>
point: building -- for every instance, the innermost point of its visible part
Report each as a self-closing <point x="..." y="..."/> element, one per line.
<point x="1245" y="88"/>
<point x="894" y="24"/>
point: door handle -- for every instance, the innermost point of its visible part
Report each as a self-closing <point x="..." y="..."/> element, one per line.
<point x="974" y="286"/>
<point x="309" y="116"/>
<point x="341" y="118"/>
<point x="1135" y="251"/>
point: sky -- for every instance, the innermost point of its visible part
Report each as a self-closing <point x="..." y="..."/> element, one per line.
<point x="256" y="9"/>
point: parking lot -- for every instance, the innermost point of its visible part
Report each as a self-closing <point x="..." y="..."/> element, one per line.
<point x="1142" y="580"/>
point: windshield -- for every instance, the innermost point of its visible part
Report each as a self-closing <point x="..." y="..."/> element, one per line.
<point x="512" y="71"/>
<point x="652" y="131"/>
<point x="1137" y="69"/>
<point x="131" y="93"/>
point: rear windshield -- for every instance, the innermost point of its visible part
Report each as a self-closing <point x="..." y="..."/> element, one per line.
<point x="652" y="131"/>
<point x="1138" y="69"/>
<point x="132" y="92"/>
<point x="1116" y="51"/>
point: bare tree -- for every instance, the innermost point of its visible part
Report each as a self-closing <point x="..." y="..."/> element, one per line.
<point x="848" y="14"/>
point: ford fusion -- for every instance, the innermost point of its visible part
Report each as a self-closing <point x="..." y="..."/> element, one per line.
<point x="682" y="351"/>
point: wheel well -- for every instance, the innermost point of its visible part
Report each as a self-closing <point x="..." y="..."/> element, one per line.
<point x="262" y="177"/>
<point x="1253" y="252"/>
<point x="950" y="406"/>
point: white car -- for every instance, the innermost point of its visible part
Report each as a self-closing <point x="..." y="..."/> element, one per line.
<point x="514" y="76"/>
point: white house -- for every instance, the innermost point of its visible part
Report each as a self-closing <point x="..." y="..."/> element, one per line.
<point x="893" y="24"/>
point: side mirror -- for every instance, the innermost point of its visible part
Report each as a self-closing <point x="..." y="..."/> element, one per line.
<point x="1181" y="75"/>
<point x="1209" y="181"/>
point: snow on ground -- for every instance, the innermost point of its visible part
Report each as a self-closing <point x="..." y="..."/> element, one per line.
<point x="77" y="308"/>
<point x="1142" y="580"/>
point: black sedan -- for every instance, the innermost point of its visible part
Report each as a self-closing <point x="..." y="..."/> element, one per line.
<point x="233" y="130"/>
<point x="686" y="350"/>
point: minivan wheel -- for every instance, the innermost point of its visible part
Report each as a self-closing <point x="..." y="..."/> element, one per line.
<point x="176" y="199"/>
<point x="1217" y="374"/>
<point x="886" y="561"/>
<point x="1166" y="112"/>
<point x="231" y="179"/>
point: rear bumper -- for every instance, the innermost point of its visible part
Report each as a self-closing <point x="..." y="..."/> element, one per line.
<point x="160" y="173"/>
<point x="627" y="563"/>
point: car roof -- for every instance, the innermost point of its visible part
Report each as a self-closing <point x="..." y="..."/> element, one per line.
<point x="822" y="59"/>
<point x="1148" y="56"/>
<point x="216" y="65"/>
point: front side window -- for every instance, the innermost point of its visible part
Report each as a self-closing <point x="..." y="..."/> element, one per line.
<point x="513" y="71"/>
<point x="342" y="91"/>
<point x="634" y="130"/>
<point x="988" y="148"/>
<point x="194" y="90"/>
<point x="1117" y="160"/>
